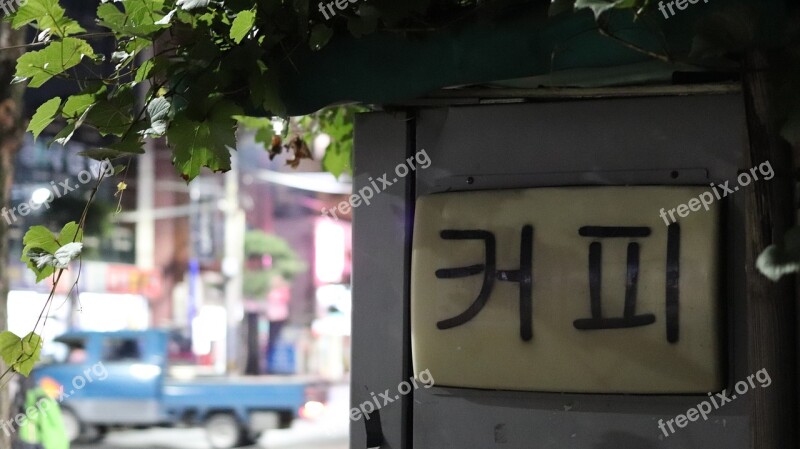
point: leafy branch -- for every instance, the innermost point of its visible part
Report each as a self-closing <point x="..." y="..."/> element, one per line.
<point x="200" y="69"/>
<point x="47" y="255"/>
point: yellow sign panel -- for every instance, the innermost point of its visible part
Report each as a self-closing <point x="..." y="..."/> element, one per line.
<point x="584" y="289"/>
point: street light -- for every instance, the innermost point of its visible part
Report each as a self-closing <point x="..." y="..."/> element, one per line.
<point x="41" y="195"/>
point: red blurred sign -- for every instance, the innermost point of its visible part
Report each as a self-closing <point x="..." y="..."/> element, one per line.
<point x="130" y="279"/>
<point x="100" y="277"/>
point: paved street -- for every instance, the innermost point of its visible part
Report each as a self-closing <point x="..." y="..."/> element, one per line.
<point x="299" y="437"/>
<point x="328" y="432"/>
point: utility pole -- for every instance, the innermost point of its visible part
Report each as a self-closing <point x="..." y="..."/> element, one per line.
<point x="145" y="195"/>
<point x="146" y="225"/>
<point x="232" y="266"/>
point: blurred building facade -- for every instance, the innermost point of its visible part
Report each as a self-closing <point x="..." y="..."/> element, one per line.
<point x="159" y="254"/>
<point x="161" y="260"/>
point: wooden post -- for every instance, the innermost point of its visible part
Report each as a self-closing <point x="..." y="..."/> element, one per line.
<point x="771" y="306"/>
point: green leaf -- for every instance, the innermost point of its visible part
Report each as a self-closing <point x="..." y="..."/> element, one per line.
<point x="261" y="125"/>
<point x="264" y="136"/>
<point x="112" y="18"/>
<point x="598" y="7"/>
<point x="242" y="25"/>
<point x="131" y="145"/>
<point x="77" y="104"/>
<point x="253" y="122"/>
<point x="44" y="116"/>
<point x="39" y="241"/>
<point x="31" y="350"/>
<point x="139" y="18"/>
<point x="31" y="11"/>
<point x="204" y="144"/>
<point x="65" y="135"/>
<point x="75" y="110"/>
<point x="106" y="153"/>
<point x="39" y="237"/>
<point x="158" y="110"/>
<point x="143" y="72"/>
<point x="167" y="19"/>
<point x="156" y="66"/>
<point x="21" y="354"/>
<point x="320" y="35"/>
<point x="48" y="15"/>
<point x="53" y="60"/>
<point x="269" y="93"/>
<point x="71" y="232"/>
<point x="137" y="44"/>
<point x="188" y="5"/>
<point x="337" y="160"/>
<point x="112" y="115"/>
<point x="10" y="347"/>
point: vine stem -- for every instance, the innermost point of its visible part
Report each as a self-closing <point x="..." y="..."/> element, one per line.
<point x="39" y="44"/>
<point x="45" y="312"/>
<point x="624" y="43"/>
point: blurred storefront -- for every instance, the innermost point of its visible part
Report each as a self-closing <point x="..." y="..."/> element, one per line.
<point x="105" y="297"/>
<point x="332" y="267"/>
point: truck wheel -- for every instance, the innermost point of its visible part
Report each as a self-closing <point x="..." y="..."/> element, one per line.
<point x="72" y="425"/>
<point x="224" y="431"/>
<point x="77" y="431"/>
<point x="92" y="434"/>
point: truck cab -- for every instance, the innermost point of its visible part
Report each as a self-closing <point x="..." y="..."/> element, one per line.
<point x="108" y="378"/>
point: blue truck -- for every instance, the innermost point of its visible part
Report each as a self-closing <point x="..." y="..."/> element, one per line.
<point x="119" y="379"/>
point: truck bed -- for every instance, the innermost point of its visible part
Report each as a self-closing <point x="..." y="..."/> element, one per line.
<point x="200" y="396"/>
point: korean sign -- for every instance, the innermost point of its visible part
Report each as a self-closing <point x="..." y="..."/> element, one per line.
<point x="566" y="289"/>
